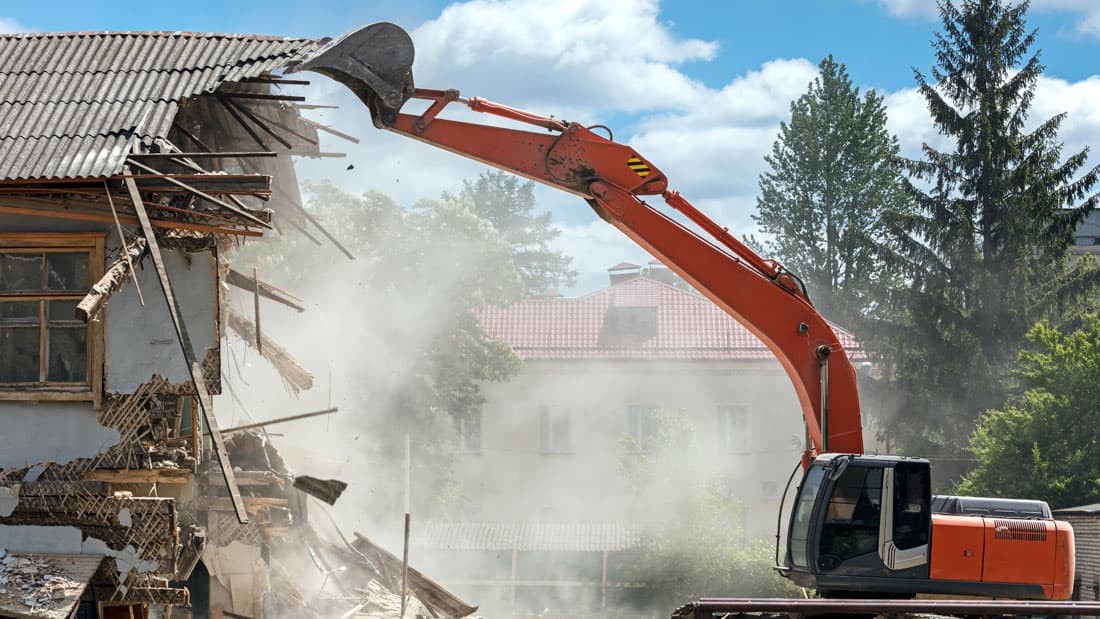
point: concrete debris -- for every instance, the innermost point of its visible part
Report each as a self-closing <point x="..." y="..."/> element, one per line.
<point x="41" y="588"/>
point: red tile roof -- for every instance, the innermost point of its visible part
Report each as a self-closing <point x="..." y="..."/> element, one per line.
<point x="689" y="326"/>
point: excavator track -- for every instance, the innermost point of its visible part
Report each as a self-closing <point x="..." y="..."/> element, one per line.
<point x="713" y="608"/>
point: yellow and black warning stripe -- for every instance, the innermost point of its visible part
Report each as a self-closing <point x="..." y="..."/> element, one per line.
<point x="640" y="168"/>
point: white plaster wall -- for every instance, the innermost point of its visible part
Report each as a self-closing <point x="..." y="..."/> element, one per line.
<point x="141" y="341"/>
<point x="510" y="480"/>
<point x="36" y="432"/>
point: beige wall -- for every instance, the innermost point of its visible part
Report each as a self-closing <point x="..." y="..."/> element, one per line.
<point x="511" y="480"/>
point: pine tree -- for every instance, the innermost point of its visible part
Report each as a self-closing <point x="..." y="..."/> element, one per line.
<point x="832" y="175"/>
<point x="985" y="248"/>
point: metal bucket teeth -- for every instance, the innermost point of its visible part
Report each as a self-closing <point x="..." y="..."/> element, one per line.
<point x="375" y="62"/>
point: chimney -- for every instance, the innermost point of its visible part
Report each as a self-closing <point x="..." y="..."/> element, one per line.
<point x="659" y="272"/>
<point x="623" y="271"/>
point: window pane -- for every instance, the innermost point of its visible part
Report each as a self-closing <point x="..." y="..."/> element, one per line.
<point x="18" y="355"/>
<point x="68" y="352"/>
<point x="62" y="311"/>
<point x="67" y="271"/>
<point x="19" y="312"/>
<point x="20" y="272"/>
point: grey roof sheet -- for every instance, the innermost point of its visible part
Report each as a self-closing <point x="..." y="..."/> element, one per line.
<point x="575" y="537"/>
<point x="72" y="103"/>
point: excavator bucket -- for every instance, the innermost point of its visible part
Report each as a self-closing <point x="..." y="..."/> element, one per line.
<point x="375" y="62"/>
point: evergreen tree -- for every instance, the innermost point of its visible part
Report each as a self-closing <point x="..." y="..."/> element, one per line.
<point x="508" y="203"/>
<point x="984" y="249"/>
<point x="832" y="175"/>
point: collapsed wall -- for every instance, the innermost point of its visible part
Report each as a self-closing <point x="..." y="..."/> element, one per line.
<point x="131" y="164"/>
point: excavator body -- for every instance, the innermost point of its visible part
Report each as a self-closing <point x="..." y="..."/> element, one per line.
<point x="862" y="527"/>
<point x="868" y="526"/>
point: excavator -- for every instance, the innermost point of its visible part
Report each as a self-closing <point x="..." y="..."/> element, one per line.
<point x="864" y="530"/>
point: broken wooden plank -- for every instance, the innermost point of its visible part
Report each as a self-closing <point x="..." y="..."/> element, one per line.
<point x="122" y="238"/>
<point x="256" y="307"/>
<point x="261" y="96"/>
<point x="116" y="275"/>
<point x="253" y="504"/>
<point x="184" y="338"/>
<point x="140" y="476"/>
<point x="246" y="282"/>
<point x="287" y="366"/>
<point x="201" y="194"/>
<point x="260" y="424"/>
<point x="244" y="125"/>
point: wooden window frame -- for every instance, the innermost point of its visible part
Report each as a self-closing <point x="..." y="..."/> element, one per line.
<point x="92" y="242"/>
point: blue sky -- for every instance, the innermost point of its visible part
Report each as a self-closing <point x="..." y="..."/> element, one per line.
<point x="688" y="83"/>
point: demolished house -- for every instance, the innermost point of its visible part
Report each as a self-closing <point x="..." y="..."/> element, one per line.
<point x="131" y="164"/>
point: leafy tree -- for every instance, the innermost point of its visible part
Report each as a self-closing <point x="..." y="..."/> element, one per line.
<point x="508" y="203"/>
<point x="1044" y="443"/>
<point x="984" y="249"/>
<point x="832" y="176"/>
<point x="692" y="544"/>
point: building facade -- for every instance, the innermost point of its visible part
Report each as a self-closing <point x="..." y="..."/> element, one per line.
<point x="597" y="370"/>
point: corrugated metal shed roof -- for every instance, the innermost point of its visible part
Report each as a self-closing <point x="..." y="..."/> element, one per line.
<point x="71" y="103"/>
<point x="689" y="327"/>
<point x="574" y="537"/>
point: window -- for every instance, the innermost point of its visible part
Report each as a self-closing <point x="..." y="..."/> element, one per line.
<point x="554" y="430"/>
<point x="468" y="432"/>
<point x="641" y="424"/>
<point x="43" y="346"/>
<point x="733" y="423"/>
<point x="852" y="516"/>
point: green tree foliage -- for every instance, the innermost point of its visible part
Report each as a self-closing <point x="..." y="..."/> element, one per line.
<point x="984" y="249"/>
<point x="832" y="176"/>
<point x="508" y="203"/>
<point x="1045" y="443"/>
<point x="407" y="300"/>
<point x="693" y="545"/>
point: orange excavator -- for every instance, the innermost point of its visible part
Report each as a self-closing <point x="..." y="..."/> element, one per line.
<point x="862" y="527"/>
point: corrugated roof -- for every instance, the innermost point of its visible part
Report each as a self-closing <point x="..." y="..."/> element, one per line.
<point x="71" y="103"/>
<point x="574" y="537"/>
<point x="688" y="327"/>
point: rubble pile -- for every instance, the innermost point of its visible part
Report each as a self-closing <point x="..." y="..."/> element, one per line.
<point x="37" y="584"/>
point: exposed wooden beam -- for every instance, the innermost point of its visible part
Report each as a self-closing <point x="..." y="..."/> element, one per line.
<point x="203" y="195"/>
<point x="287" y="366"/>
<point x="184" y="338"/>
<point x="140" y="476"/>
<point x="247" y="282"/>
<point x="115" y="276"/>
<point x="240" y="120"/>
<point x="327" y="129"/>
<point x="277" y="420"/>
<point x="261" y="96"/>
<point x="126" y="219"/>
<point x="207" y="155"/>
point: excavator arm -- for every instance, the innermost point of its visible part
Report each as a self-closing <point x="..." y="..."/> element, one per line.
<point x="375" y="62"/>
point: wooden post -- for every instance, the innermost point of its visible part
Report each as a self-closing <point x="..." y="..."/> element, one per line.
<point x="512" y="581"/>
<point x="256" y="306"/>
<point x="603" y="583"/>
<point x="202" y="396"/>
<point x="408" y="508"/>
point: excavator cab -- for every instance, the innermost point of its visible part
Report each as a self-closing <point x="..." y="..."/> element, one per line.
<point x="861" y="523"/>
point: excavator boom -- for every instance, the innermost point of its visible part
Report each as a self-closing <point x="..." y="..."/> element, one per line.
<point x="375" y="62"/>
<point x="861" y="525"/>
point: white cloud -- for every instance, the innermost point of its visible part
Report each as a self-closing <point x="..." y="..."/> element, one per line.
<point x="10" y="26"/>
<point x="910" y="8"/>
<point x="1088" y="11"/>
<point x="711" y="142"/>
